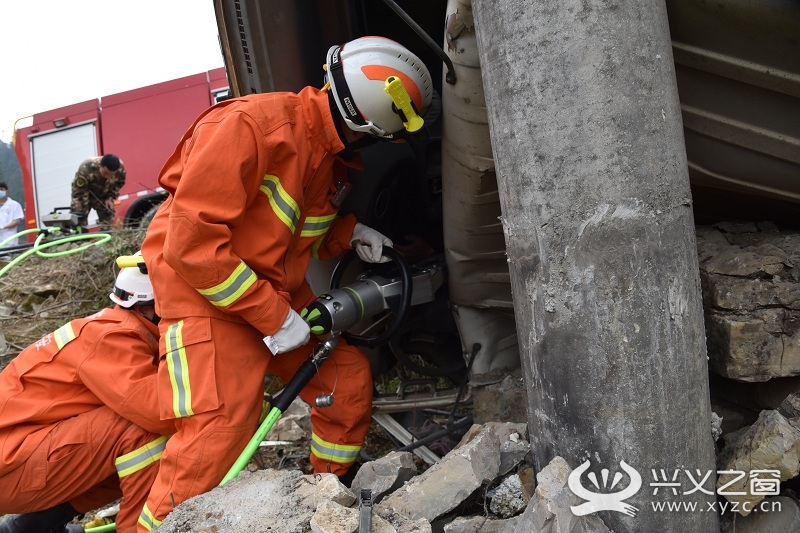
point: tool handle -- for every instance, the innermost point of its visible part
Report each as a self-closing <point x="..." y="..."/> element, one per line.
<point x="300" y="379"/>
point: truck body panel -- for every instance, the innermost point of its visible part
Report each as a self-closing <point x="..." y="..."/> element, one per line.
<point x="738" y="69"/>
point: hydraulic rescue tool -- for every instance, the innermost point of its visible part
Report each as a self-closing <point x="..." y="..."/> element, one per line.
<point x="332" y="314"/>
<point x="340" y="309"/>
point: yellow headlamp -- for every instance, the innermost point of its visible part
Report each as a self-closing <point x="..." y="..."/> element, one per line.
<point x="403" y="105"/>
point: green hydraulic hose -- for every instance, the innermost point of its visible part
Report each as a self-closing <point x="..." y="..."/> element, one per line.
<point x="102" y="529"/>
<point x="38" y="247"/>
<point x="252" y="445"/>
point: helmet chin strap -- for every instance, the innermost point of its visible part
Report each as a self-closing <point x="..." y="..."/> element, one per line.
<point x="152" y="317"/>
<point x="350" y="146"/>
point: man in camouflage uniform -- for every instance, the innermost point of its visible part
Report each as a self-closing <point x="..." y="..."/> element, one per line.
<point x="96" y="186"/>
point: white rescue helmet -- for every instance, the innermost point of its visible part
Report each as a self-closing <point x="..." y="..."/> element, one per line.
<point x="132" y="286"/>
<point x="358" y="72"/>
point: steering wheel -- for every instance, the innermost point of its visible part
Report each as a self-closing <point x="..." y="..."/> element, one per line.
<point x="401" y="313"/>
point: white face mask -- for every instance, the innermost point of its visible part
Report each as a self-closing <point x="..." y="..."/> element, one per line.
<point x="2" y="194"/>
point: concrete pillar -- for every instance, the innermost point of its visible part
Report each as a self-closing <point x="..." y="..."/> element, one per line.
<point x="591" y="167"/>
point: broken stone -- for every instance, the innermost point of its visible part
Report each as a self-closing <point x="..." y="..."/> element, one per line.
<point x="498" y="396"/>
<point x="507" y="500"/>
<point x="779" y="514"/>
<point x="402" y="523"/>
<point x="481" y="524"/>
<point x="790" y="407"/>
<point x="754" y="347"/>
<point x="330" y="517"/>
<point x="771" y="444"/>
<point x="325" y="487"/>
<point x="716" y="426"/>
<point x="386" y="474"/>
<point x="751" y="301"/>
<point x="265" y="501"/>
<point x="449" y="482"/>
<point x="549" y="511"/>
<point x="513" y="444"/>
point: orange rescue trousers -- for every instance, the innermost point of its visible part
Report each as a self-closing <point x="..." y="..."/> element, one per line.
<point x="211" y="381"/>
<point x="85" y="460"/>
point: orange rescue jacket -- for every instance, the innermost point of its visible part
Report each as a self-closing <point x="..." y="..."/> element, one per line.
<point x="108" y="358"/>
<point x="250" y="188"/>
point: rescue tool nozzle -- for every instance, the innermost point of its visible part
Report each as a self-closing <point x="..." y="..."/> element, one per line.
<point x="340" y="309"/>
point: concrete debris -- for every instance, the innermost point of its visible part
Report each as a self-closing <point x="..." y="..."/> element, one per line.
<point x="286" y="501"/>
<point x="481" y="524"/>
<point x="334" y="518"/>
<point x="716" y="426"/>
<point x="386" y="474"/>
<point x="790" y="407"/>
<point x="446" y="484"/>
<point x="507" y="500"/>
<point x="265" y="501"/>
<point x="550" y="509"/>
<point x="294" y="424"/>
<point x="772" y="444"/>
<point x="780" y="514"/>
<point x="498" y="395"/>
<point x="514" y="446"/>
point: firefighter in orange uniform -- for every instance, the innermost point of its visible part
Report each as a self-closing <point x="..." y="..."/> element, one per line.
<point x="252" y="196"/>
<point x="79" y="423"/>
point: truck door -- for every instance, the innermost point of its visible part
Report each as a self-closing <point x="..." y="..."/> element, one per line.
<point x="56" y="156"/>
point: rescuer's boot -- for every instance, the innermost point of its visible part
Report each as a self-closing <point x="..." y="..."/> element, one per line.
<point x="53" y="520"/>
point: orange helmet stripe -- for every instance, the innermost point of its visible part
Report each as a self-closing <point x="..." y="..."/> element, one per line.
<point x="380" y="73"/>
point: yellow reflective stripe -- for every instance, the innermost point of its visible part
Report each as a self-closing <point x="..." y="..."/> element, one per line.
<point x="316" y="226"/>
<point x="232" y="288"/>
<point x="64" y="335"/>
<point x="316" y="246"/>
<point x="336" y="453"/>
<point x="178" y="369"/>
<point x="147" y="520"/>
<point x="141" y="457"/>
<point x="282" y="204"/>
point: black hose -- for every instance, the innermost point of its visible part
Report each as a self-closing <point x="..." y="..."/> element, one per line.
<point x="450" y="428"/>
<point x="300" y="379"/>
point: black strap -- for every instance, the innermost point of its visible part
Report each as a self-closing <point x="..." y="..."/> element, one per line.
<point x="342" y="90"/>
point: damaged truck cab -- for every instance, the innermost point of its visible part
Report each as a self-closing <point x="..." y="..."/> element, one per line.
<point x="743" y="160"/>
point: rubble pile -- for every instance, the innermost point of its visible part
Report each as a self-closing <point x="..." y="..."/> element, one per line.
<point x="485" y="484"/>
<point x="488" y="467"/>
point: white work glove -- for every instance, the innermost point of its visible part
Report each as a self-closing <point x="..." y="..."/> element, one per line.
<point x="369" y="244"/>
<point x="293" y="333"/>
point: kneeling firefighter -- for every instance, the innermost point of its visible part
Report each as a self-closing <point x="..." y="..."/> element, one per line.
<point x="80" y="426"/>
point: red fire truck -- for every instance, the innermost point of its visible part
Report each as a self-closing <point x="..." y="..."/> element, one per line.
<point x="142" y="126"/>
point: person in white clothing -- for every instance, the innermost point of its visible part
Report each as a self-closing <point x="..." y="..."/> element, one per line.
<point x="11" y="216"/>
